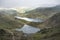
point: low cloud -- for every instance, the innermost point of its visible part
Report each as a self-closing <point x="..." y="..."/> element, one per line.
<point x="28" y="3"/>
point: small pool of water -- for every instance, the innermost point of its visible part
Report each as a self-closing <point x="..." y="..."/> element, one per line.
<point x="28" y="29"/>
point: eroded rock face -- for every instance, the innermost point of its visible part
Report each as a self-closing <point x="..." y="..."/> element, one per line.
<point x="5" y="35"/>
<point x="54" y="20"/>
<point x="54" y="23"/>
<point x="9" y="35"/>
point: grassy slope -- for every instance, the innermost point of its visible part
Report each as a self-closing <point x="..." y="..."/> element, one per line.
<point x="44" y="12"/>
<point x="7" y="19"/>
<point x="51" y="30"/>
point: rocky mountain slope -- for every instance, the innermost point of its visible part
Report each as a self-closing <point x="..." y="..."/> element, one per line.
<point x="53" y="25"/>
<point x="44" y="12"/>
<point x="7" y="19"/>
<point x="50" y="29"/>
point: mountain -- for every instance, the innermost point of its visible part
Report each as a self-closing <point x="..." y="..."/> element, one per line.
<point x="6" y="34"/>
<point x="54" y="20"/>
<point x="8" y="13"/>
<point x="44" y="12"/>
<point x="50" y="29"/>
<point x="7" y="19"/>
<point x="53" y="25"/>
<point x="23" y="9"/>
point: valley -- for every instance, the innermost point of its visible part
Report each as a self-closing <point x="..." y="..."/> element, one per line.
<point x="33" y="24"/>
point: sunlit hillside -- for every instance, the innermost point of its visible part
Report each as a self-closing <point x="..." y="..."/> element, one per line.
<point x="20" y="9"/>
<point x="23" y="9"/>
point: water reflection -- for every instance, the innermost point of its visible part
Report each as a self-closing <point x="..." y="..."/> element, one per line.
<point x="28" y="29"/>
<point x="29" y="19"/>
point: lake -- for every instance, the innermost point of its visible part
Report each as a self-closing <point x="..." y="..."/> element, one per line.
<point x="28" y="29"/>
<point x="29" y="19"/>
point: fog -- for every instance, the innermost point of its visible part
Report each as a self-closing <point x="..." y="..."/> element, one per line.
<point x="28" y="3"/>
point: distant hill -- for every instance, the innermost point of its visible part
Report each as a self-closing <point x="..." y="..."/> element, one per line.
<point x="7" y="19"/>
<point x="23" y="9"/>
<point x="43" y="11"/>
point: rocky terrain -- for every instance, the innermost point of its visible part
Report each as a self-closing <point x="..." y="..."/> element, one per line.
<point x="49" y="28"/>
<point x="43" y="12"/>
<point x="7" y="19"/>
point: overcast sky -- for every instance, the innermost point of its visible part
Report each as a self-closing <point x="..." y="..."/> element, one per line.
<point x="28" y="3"/>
